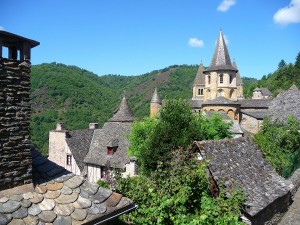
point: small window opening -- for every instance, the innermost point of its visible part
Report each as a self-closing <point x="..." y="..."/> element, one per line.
<point x="208" y="77"/>
<point x="110" y="151"/>
<point x="200" y="91"/>
<point x="221" y="78"/>
<point x="69" y="160"/>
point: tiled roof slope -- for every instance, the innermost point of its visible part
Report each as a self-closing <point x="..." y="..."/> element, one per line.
<point x="286" y="103"/>
<point x="60" y="197"/>
<point x="79" y="143"/>
<point x="266" y="92"/>
<point x="255" y="114"/>
<point x="254" y="103"/>
<point x="200" y="76"/>
<point x="240" y="161"/>
<point x="97" y="154"/>
<point x="221" y="59"/>
<point x="123" y="113"/>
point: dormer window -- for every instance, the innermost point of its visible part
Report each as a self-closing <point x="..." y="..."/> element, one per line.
<point x="112" y="146"/>
<point x="221" y="78"/>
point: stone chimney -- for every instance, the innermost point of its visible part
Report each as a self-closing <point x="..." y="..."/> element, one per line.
<point x="60" y="127"/>
<point x="93" y="126"/>
<point x="15" y="155"/>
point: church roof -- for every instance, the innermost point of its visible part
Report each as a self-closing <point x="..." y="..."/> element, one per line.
<point x="155" y="97"/>
<point x="241" y="161"/>
<point x="254" y="103"/>
<point x="220" y="101"/>
<point x="239" y="80"/>
<point x="200" y="76"/>
<point x="221" y="59"/>
<point x="286" y="103"/>
<point x="255" y="114"/>
<point x="79" y="143"/>
<point x="61" y="197"/>
<point x="123" y="113"/>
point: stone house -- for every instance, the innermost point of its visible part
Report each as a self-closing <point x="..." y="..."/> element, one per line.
<point x="95" y="152"/>
<point x="261" y="93"/>
<point x="34" y="190"/>
<point x="240" y="162"/>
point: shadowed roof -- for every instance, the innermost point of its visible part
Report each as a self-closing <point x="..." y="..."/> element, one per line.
<point x="254" y="103"/>
<point x="221" y="59"/>
<point x="241" y="161"/>
<point x="200" y="76"/>
<point x="79" y="143"/>
<point x="220" y="101"/>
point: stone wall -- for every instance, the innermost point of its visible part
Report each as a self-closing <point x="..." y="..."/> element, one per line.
<point x="15" y="156"/>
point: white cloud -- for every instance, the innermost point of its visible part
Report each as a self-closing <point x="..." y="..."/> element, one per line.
<point x="226" y="5"/>
<point x="195" y="42"/>
<point x="288" y="14"/>
<point x="2" y="28"/>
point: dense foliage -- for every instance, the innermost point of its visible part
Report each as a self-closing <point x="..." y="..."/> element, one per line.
<point x="282" y="78"/>
<point x="177" y="193"/>
<point x="152" y="140"/>
<point x="280" y="143"/>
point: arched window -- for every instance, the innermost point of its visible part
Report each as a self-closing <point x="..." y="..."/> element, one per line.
<point x="220" y="92"/>
<point x="200" y="91"/>
<point x="221" y="78"/>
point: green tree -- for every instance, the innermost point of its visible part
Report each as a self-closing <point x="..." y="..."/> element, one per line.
<point x="281" y="64"/>
<point x="297" y="63"/>
<point x="280" y="143"/>
<point x="152" y="140"/>
<point x="177" y="193"/>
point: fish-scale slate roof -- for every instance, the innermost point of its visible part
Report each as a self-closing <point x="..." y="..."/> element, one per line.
<point x="200" y="76"/>
<point x="286" y="103"/>
<point x="60" y="197"/>
<point x="220" y="101"/>
<point x="79" y="143"/>
<point x="240" y="161"/>
<point x="195" y="103"/>
<point x="266" y="92"/>
<point x="254" y="103"/>
<point x="123" y="113"/>
<point x="97" y="154"/>
<point x="239" y="80"/>
<point x="255" y="114"/>
<point x="221" y="59"/>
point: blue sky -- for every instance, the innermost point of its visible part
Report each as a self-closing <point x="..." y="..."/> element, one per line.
<point x="132" y="37"/>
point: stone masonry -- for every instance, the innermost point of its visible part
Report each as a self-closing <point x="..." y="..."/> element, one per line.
<point x="15" y="162"/>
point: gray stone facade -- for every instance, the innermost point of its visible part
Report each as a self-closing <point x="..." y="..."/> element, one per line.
<point x="15" y="158"/>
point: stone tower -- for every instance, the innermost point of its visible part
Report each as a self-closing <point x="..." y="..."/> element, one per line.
<point x="221" y="75"/>
<point x="155" y="104"/>
<point x="15" y="154"/>
<point x="199" y="84"/>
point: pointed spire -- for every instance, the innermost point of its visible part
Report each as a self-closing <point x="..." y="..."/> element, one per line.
<point x="221" y="58"/>
<point x="123" y="113"/>
<point x="294" y="87"/>
<point x="239" y="80"/>
<point x="155" y="97"/>
<point x="200" y="77"/>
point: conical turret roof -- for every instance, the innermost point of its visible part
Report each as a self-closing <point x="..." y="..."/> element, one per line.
<point x="221" y="58"/>
<point x="155" y="97"/>
<point x="200" y="77"/>
<point x="123" y="113"/>
<point x="238" y="76"/>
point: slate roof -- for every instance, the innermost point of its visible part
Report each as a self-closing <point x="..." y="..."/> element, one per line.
<point x="239" y="80"/>
<point x="97" y="154"/>
<point x="221" y="113"/>
<point x="123" y="113"/>
<point x="240" y="161"/>
<point x="60" y="197"/>
<point x="286" y="103"/>
<point x="200" y="76"/>
<point x="255" y="114"/>
<point x="220" y="101"/>
<point x="195" y="103"/>
<point x="221" y="59"/>
<point x="266" y="92"/>
<point x="79" y="143"/>
<point x="155" y="97"/>
<point x="254" y="103"/>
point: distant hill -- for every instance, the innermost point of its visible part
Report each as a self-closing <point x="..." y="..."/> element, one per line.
<point x="75" y="96"/>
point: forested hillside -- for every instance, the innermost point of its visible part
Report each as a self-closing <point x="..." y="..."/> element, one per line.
<point x="76" y="97"/>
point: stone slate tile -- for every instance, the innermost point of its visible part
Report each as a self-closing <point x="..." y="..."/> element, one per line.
<point x="5" y="219"/>
<point x="17" y="222"/>
<point x="47" y="216"/>
<point x="113" y="199"/>
<point x="74" y="182"/>
<point x="79" y="214"/>
<point x="34" y="210"/>
<point x="63" y="220"/>
<point x="20" y="213"/>
<point x="9" y="206"/>
<point x="64" y="209"/>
